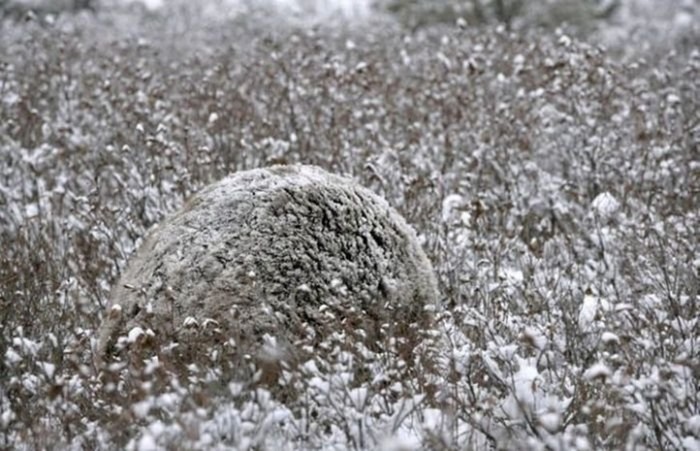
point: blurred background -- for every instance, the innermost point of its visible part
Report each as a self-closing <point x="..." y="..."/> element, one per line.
<point x="610" y="21"/>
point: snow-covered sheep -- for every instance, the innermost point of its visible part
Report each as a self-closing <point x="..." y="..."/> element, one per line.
<point x="272" y="254"/>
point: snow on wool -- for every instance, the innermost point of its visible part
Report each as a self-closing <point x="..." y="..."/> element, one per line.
<point x="268" y="253"/>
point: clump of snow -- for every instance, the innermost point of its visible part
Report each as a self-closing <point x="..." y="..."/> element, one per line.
<point x="401" y="443"/>
<point x="609" y="338"/>
<point x="12" y="357"/>
<point x="146" y="443"/>
<point x="597" y="371"/>
<point x="134" y="334"/>
<point x="534" y="338"/>
<point x="605" y="205"/>
<point x="592" y="307"/>
<point x="451" y="206"/>
<point x="692" y="424"/>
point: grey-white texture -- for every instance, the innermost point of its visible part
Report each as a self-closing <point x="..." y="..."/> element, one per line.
<point x="283" y="251"/>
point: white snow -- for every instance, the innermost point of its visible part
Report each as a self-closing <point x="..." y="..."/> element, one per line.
<point x="526" y="395"/>
<point x="6" y="416"/>
<point x="550" y="421"/>
<point x="588" y="312"/>
<point x="692" y="424"/>
<point x="190" y="322"/>
<point x="142" y="408"/>
<point x="451" y="206"/>
<point x="597" y="371"/>
<point x="134" y="334"/>
<point x="605" y="205"/>
<point x="26" y="346"/>
<point x="401" y="442"/>
<point x="48" y="368"/>
<point x="534" y="337"/>
<point x="691" y="444"/>
<point x="319" y="9"/>
<point x="147" y="443"/>
<point x="609" y="337"/>
<point x="31" y="210"/>
<point x="11" y="357"/>
<point x="115" y="311"/>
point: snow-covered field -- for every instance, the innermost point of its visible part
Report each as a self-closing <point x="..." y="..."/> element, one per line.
<point x="554" y="184"/>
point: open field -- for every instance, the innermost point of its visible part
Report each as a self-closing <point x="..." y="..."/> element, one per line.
<point x="554" y="184"/>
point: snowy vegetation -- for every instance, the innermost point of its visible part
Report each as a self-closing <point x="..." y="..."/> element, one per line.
<point x="554" y="185"/>
<point x="265" y="263"/>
